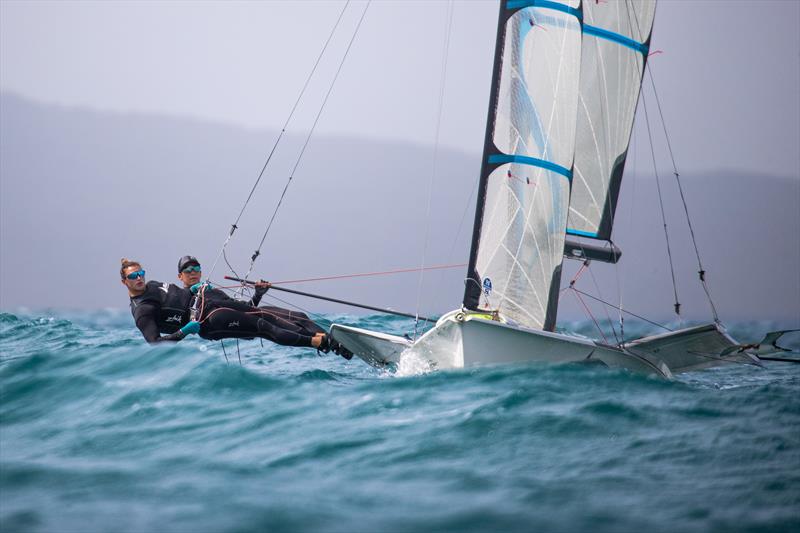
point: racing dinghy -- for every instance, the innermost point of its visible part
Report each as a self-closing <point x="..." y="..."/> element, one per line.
<point x="565" y="85"/>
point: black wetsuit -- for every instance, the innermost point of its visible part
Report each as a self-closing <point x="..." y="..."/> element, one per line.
<point x="161" y="308"/>
<point x="224" y="318"/>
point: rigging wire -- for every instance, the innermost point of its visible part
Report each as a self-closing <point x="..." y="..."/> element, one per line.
<point x="442" y="80"/>
<point x="460" y="226"/>
<point x="701" y="271"/>
<point x="632" y="20"/>
<point x="677" y="304"/>
<point x="235" y="225"/>
<point x="317" y="317"/>
<point x="305" y="145"/>
<point x="605" y="309"/>
<point x="624" y="310"/>
<point x="588" y="312"/>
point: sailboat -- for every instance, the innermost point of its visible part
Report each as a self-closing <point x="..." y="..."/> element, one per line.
<point x="565" y="86"/>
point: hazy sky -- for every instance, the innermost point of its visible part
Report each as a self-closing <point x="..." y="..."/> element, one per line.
<point x="728" y="73"/>
<point x="228" y="73"/>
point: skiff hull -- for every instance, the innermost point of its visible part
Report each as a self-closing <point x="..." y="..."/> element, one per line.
<point x="461" y="339"/>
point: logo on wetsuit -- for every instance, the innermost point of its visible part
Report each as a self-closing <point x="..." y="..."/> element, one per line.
<point x="234" y="324"/>
<point x="173" y="318"/>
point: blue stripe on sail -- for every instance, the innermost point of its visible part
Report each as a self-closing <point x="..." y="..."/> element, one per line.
<point x="616" y="37"/>
<point x="546" y="4"/>
<point x="533" y="161"/>
<point x="580" y="233"/>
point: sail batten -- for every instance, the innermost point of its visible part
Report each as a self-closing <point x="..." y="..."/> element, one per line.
<point x="595" y="31"/>
<point x="532" y="161"/>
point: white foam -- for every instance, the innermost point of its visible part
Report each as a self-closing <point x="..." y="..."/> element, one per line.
<point x="413" y="363"/>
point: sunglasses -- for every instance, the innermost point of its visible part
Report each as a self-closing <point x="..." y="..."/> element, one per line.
<point x="190" y="269"/>
<point x="135" y="275"/>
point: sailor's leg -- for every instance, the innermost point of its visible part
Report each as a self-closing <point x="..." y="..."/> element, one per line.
<point x="228" y="323"/>
<point x="299" y="321"/>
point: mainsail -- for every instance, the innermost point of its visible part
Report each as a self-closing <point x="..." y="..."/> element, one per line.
<point x="616" y="36"/>
<point x="523" y="199"/>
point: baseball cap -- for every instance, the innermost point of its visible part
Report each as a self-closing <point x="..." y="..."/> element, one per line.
<point x="185" y="261"/>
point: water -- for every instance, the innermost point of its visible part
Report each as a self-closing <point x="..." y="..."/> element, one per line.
<point x="101" y="432"/>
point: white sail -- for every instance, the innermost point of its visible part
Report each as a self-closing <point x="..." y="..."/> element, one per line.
<point x="519" y="239"/>
<point x="615" y="46"/>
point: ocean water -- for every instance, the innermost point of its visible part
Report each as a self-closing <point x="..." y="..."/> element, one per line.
<point x="101" y="432"/>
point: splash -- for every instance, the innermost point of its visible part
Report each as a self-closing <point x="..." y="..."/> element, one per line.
<point x="413" y="363"/>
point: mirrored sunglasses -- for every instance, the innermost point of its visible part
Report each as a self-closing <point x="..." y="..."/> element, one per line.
<point x="135" y="275"/>
<point x="195" y="268"/>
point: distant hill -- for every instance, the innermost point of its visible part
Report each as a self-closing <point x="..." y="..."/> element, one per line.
<point x="79" y="189"/>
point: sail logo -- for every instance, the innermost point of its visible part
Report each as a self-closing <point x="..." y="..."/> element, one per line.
<point x="487" y="286"/>
<point x="234" y="324"/>
<point x="173" y="318"/>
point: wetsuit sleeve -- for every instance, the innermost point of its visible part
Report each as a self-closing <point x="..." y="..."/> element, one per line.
<point x="256" y="299"/>
<point x="146" y="322"/>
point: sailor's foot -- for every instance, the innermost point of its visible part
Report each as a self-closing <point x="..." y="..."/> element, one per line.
<point x="327" y="344"/>
<point x="338" y="349"/>
<point x="344" y="352"/>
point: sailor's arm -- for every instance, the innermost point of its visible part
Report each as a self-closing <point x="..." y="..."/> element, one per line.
<point x="261" y="289"/>
<point x="146" y="322"/>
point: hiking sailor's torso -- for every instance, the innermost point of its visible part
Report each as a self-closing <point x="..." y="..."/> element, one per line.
<point x="164" y="303"/>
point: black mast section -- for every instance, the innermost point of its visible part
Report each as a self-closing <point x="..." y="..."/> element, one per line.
<point x="473" y="286"/>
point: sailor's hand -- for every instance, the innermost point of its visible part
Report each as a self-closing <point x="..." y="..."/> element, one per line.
<point x="198" y="286"/>
<point x="262" y="286"/>
<point x="191" y="328"/>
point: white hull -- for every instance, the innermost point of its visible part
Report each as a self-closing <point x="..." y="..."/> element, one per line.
<point x="462" y="339"/>
<point x="691" y="349"/>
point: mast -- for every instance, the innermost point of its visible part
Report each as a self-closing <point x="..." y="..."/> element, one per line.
<point x="473" y="285"/>
<point x="523" y="195"/>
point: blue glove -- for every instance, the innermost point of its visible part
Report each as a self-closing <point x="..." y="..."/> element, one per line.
<point x="197" y="286"/>
<point x="191" y="327"/>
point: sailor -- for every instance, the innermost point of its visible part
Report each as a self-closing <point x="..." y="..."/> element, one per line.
<point x="162" y="308"/>
<point x="157" y="307"/>
<point x="190" y="273"/>
<point x="223" y="317"/>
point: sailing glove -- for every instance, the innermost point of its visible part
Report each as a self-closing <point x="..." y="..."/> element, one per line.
<point x="197" y="286"/>
<point x="191" y="327"/>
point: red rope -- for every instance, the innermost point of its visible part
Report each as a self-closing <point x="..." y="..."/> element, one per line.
<point x="364" y="274"/>
<point x="578" y="274"/>
<point x="578" y="296"/>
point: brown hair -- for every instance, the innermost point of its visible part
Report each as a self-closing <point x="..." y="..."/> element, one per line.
<point x="125" y="264"/>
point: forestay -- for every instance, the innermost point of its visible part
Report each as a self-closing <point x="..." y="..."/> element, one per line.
<point x="518" y="238"/>
<point x="616" y="36"/>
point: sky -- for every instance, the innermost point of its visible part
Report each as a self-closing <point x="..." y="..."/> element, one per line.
<point x="171" y="95"/>
<point x="729" y="76"/>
